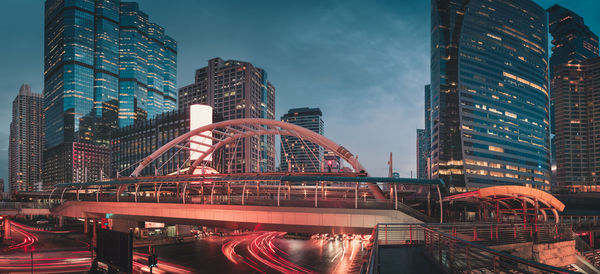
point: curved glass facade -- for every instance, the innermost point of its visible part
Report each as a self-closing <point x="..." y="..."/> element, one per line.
<point x="103" y="60"/>
<point x="489" y="93"/>
<point x="105" y="66"/>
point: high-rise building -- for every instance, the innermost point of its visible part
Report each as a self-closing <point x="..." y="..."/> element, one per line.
<point x="147" y="66"/>
<point x="489" y="93"/>
<point x="236" y="89"/>
<point x="131" y="144"/>
<point x="422" y="151"/>
<point x="572" y="98"/>
<point x="26" y="141"/>
<point x="572" y="41"/>
<point x="297" y="155"/>
<point x="424" y="140"/>
<point x="105" y="65"/>
<point x="428" y="113"/>
<point x="576" y="91"/>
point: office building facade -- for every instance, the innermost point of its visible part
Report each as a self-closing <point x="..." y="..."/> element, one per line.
<point x="489" y="94"/>
<point x="576" y="91"/>
<point x="105" y="65"/>
<point x="422" y="152"/>
<point x="131" y="144"/>
<point x="572" y="40"/>
<point x="26" y="141"/>
<point x="297" y="155"/>
<point x="424" y="140"/>
<point x="573" y="91"/>
<point x="236" y="89"/>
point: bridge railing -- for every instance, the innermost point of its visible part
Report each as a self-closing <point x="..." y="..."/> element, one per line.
<point x="268" y="193"/>
<point x="464" y="247"/>
<point x="20" y="205"/>
<point x="580" y="220"/>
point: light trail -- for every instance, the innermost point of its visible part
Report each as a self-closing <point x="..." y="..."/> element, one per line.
<point x="46" y="262"/>
<point x="28" y="238"/>
<point x="140" y="262"/>
<point x="263" y="249"/>
<point x="34" y="229"/>
<point x="228" y="250"/>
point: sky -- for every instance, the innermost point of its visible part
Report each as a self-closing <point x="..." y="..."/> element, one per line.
<point x="364" y="63"/>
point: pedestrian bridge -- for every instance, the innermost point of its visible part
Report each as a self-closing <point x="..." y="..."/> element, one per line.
<point x="290" y="219"/>
<point x="23" y="208"/>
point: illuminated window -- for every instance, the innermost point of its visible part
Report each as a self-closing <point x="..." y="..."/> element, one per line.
<point x="496" y="149"/>
<point x="496" y="174"/>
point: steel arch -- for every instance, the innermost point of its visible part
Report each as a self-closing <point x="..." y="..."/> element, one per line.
<point x="232" y="130"/>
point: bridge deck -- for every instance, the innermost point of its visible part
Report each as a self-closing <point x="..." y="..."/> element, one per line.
<point x="301" y="219"/>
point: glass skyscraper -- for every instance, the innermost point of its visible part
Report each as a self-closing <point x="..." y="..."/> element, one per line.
<point x="105" y="66"/>
<point x="148" y="62"/>
<point x="489" y="75"/>
<point x="298" y="155"/>
<point x="422" y="154"/>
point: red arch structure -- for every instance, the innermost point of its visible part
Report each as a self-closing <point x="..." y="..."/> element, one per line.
<point x="226" y="132"/>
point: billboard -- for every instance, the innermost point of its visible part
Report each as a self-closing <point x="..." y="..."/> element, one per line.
<point x="154" y="225"/>
<point x="115" y="249"/>
<point x="200" y="115"/>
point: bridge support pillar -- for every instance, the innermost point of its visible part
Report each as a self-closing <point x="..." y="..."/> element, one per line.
<point x="61" y="221"/>
<point x="7" y="233"/>
<point x="94" y="232"/>
<point x="86" y="225"/>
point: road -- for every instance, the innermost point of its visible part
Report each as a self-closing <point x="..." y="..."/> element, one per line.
<point x="265" y="252"/>
<point x="33" y="250"/>
<point x="254" y="252"/>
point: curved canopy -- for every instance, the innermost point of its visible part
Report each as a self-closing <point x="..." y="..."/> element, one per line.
<point x="521" y="191"/>
<point x="512" y="199"/>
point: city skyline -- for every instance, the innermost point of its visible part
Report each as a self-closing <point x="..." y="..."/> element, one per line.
<point x="380" y="75"/>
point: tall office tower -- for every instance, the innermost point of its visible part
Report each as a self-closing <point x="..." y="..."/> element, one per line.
<point x="573" y="41"/>
<point x="105" y="66"/>
<point x="297" y="155"/>
<point x="422" y="159"/>
<point x="489" y="99"/>
<point x="426" y="151"/>
<point x="570" y="110"/>
<point x="147" y="63"/>
<point x="576" y="90"/>
<point x="236" y="89"/>
<point x="26" y="141"/>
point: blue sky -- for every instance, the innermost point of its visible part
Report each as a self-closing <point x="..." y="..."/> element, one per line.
<point x="364" y="63"/>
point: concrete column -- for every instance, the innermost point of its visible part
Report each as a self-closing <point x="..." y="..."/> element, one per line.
<point x="61" y="221"/>
<point x="94" y="231"/>
<point x="86" y="225"/>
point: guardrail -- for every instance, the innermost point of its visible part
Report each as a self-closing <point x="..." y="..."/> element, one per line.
<point x="293" y="194"/>
<point x="19" y="205"/>
<point x="462" y="247"/>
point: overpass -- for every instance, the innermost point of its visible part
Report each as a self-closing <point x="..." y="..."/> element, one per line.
<point x="289" y="219"/>
<point x="308" y="203"/>
<point x="291" y="201"/>
<point x="23" y="208"/>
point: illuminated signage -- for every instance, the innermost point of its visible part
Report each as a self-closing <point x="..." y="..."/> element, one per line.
<point x="200" y="115"/>
<point x="154" y="225"/>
